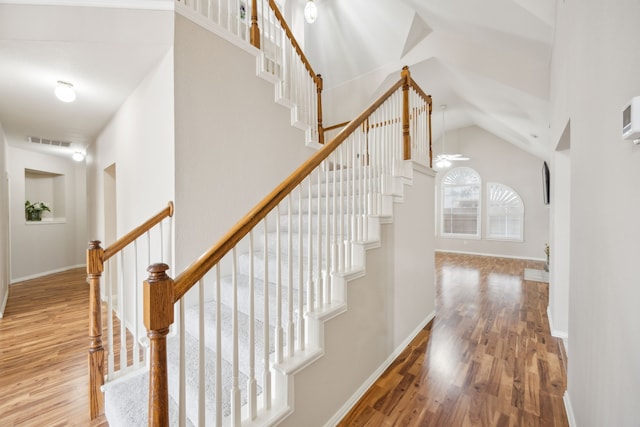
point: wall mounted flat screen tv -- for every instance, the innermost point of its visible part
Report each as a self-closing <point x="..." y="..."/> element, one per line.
<point x="546" y="184"/>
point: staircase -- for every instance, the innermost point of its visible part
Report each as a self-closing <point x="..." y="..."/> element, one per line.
<point x="246" y="335"/>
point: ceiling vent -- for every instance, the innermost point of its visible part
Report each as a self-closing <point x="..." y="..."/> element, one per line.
<point x="45" y="141"/>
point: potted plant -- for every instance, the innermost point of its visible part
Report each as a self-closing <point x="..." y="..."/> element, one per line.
<point x="33" y="211"/>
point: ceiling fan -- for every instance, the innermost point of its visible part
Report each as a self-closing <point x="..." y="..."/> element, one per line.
<point x="443" y="160"/>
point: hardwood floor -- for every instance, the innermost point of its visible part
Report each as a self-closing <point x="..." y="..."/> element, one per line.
<point x="43" y="353"/>
<point x="487" y="358"/>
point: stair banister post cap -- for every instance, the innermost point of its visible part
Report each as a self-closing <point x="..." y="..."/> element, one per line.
<point x="157" y="272"/>
<point x="158" y="298"/>
<point x="94" y="244"/>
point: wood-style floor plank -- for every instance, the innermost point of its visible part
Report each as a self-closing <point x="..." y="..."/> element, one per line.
<point x="43" y="353"/>
<point x="487" y="359"/>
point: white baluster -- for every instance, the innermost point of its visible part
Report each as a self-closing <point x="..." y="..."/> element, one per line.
<point x="279" y="330"/>
<point x="266" y="383"/>
<point x="235" y="388"/>
<point x="310" y="299"/>
<point x="319" y="281"/>
<point x="201" y="354"/>
<point x="327" y="235"/>
<point x="111" y="350"/>
<point x="218" y="367"/>
<point x="182" y="402"/>
<point x="136" y="306"/>
<point x="301" y="323"/>
<point x="122" y="305"/>
<point x="290" y="321"/>
<point x="252" y="385"/>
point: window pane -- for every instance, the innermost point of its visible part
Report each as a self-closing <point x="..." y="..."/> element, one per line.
<point x="461" y="202"/>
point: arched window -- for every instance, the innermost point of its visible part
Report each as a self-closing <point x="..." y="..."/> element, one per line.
<point x="505" y="213"/>
<point x="460" y="214"/>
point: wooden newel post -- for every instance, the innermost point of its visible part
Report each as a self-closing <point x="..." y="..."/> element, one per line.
<point x="319" y="86"/>
<point x="95" y="267"/>
<point x="254" y="32"/>
<point x="406" y="137"/>
<point x="158" y="316"/>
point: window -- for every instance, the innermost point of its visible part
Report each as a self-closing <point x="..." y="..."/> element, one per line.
<point x="505" y="213"/>
<point x="461" y="203"/>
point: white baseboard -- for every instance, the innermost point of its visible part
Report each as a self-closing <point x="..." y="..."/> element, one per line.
<point x="567" y="406"/>
<point x="4" y="303"/>
<point x="490" y="255"/>
<point x="45" y="273"/>
<point x="563" y="335"/>
<point x="350" y="403"/>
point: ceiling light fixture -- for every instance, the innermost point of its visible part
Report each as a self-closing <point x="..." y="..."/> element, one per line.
<point x="310" y="12"/>
<point x="78" y="156"/>
<point x="64" y="91"/>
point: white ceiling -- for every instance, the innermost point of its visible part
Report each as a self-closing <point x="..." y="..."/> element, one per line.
<point x="488" y="60"/>
<point x="104" y="51"/>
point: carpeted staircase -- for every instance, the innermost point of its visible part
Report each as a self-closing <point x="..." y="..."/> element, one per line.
<point x="126" y="398"/>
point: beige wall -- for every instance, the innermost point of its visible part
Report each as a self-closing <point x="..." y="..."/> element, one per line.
<point x="234" y="144"/>
<point x="595" y="73"/>
<point x="46" y="247"/>
<point x="499" y="161"/>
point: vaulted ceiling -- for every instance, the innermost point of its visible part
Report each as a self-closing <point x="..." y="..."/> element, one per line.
<point x="488" y="61"/>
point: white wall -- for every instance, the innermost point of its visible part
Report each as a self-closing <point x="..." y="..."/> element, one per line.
<point x="139" y="139"/>
<point x="598" y="38"/>
<point x="46" y="247"/>
<point x="234" y="144"/>
<point x="560" y="238"/>
<point x="4" y="224"/>
<point x="499" y="161"/>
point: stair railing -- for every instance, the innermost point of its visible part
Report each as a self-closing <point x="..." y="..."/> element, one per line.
<point x="261" y="23"/>
<point x="122" y="295"/>
<point x="281" y="267"/>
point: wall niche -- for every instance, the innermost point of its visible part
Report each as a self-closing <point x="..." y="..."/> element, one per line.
<point x="48" y="188"/>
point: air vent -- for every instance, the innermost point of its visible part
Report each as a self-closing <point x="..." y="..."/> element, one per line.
<point x="45" y="141"/>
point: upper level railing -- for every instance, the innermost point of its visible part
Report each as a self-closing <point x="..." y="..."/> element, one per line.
<point x="261" y="23"/>
<point x="254" y="290"/>
<point x="122" y="262"/>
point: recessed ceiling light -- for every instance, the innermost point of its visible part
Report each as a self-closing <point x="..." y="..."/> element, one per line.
<point x="64" y="91"/>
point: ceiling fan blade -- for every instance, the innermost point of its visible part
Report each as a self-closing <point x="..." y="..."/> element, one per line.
<point x="459" y="158"/>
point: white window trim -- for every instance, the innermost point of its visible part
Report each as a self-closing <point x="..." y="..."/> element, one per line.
<point x="478" y="234"/>
<point x="486" y="217"/>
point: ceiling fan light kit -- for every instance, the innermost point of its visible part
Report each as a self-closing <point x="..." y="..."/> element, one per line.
<point x="443" y="160"/>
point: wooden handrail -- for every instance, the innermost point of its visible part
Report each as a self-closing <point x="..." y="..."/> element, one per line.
<point x="339" y="125"/>
<point x="423" y="95"/>
<point x="292" y="39"/>
<point x="119" y="244"/>
<point x="96" y="257"/>
<point x="192" y="274"/>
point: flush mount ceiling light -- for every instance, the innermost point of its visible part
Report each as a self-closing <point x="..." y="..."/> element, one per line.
<point x="310" y="12"/>
<point x="78" y="156"/>
<point x="64" y="91"/>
